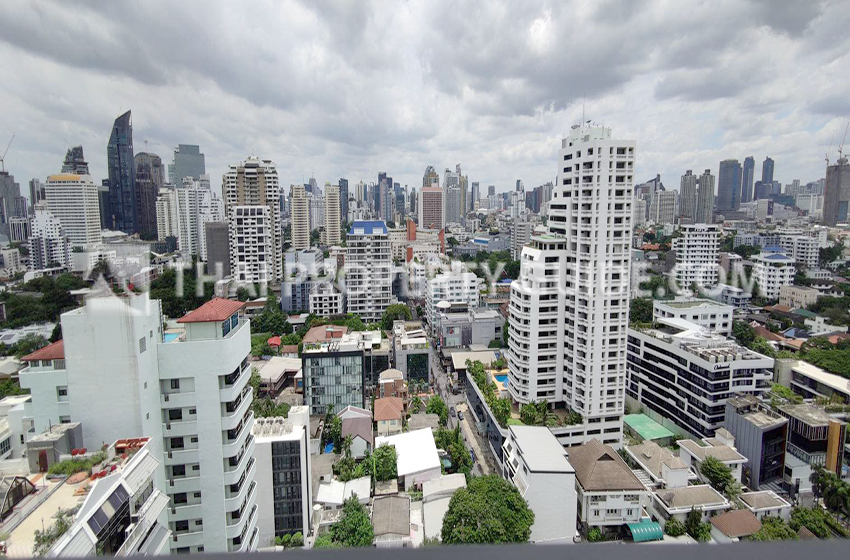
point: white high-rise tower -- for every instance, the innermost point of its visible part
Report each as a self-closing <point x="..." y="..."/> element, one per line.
<point x="569" y="310"/>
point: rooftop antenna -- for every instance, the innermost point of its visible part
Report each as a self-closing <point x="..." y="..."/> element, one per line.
<point x="3" y="157"/>
<point x="831" y="138"/>
<point x="841" y="147"/>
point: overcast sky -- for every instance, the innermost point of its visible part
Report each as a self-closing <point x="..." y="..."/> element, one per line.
<point x="358" y="88"/>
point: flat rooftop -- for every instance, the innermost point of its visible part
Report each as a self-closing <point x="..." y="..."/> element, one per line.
<point x="807" y="413"/>
<point x="646" y="427"/>
<point x="692" y="303"/>
<point x="540" y="449"/>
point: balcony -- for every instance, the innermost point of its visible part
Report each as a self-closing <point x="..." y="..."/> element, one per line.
<point x="180" y="428"/>
<point x="178" y="400"/>
<point x="231" y="420"/>
<point x="187" y="538"/>
<point x="181" y="456"/>
<point x="233" y="500"/>
<point x="186" y="512"/>
<point x="184" y="484"/>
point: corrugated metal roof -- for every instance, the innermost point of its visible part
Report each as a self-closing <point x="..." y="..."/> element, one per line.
<point x="139" y="471"/>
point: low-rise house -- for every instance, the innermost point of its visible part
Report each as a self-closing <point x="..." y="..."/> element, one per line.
<point x="678" y="502"/>
<point x="762" y="504"/>
<point x="417" y="458"/>
<point x="353" y="412"/>
<point x="362" y="437"/>
<point x="389" y="414"/>
<point x="734" y="525"/>
<point x="798" y="296"/>
<point x="719" y="447"/>
<point x="663" y="469"/>
<point x="278" y="373"/>
<point x="423" y="420"/>
<point x="391" y="522"/>
<point x="608" y="492"/>
<point x="436" y="495"/>
<point x="332" y="494"/>
<point x="391" y="383"/>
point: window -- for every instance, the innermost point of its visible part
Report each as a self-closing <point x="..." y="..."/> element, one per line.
<point x="175" y="383"/>
<point x="194" y="439"/>
<point x="175" y="414"/>
<point x="177" y="443"/>
<point x="179" y="498"/>
<point x="143" y="345"/>
<point x="192" y="412"/>
<point x="62" y="393"/>
<point x="64" y="419"/>
<point x="181" y="526"/>
<point x="178" y="470"/>
<point x="5" y="446"/>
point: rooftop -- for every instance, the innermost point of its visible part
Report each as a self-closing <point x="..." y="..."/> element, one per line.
<point x="276" y="367"/>
<point x="763" y="500"/>
<point x="806" y="413"/>
<point x="54" y="351"/>
<point x="540" y="449"/>
<point x="737" y="523"/>
<point x="646" y="427"/>
<point x="358" y="426"/>
<point x="362" y="227"/>
<point x="214" y="311"/>
<point x="416" y="451"/>
<point x="691" y="496"/>
<point x="598" y="467"/>
<point x="713" y="448"/>
<point x="459" y="358"/>
<point x="652" y="456"/>
<point x="323" y="333"/>
<point x="391" y="515"/>
<point x="691" y="304"/>
<point x="388" y="408"/>
<point x="836" y="382"/>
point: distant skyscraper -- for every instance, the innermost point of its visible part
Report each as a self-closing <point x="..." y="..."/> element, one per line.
<point x="343" y="198"/>
<point x="430" y="178"/>
<point x="767" y="171"/>
<point x="105" y="204"/>
<point x="662" y="207"/>
<point x="452" y="206"/>
<point x="748" y="179"/>
<point x="188" y="161"/>
<point x="519" y="185"/>
<point x="36" y="193"/>
<point x="122" y="175"/>
<point x="729" y="186"/>
<point x="431" y="206"/>
<point x="464" y="193"/>
<point x="10" y="203"/>
<point x="474" y="196"/>
<point x="75" y="162"/>
<point x="688" y="197"/>
<point x="332" y="220"/>
<point x="705" y="199"/>
<point x="300" y="229"/>
<point x="837" y="193"/>
<point x="149" y="179"/>
<point x="73" y="200"/>
<point x="491" y="190"/>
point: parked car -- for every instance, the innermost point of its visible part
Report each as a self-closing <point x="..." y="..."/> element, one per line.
<point x="453" y="412"/>
<point x="460" y="415"/>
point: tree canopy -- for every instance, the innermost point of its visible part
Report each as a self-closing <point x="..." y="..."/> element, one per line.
<point x="719" y="476"/>
<point x="436" y="405"/>
<point x="385" y="460"/>
<point x="395" y="312"/>
<point x="488" y="511"/>
<point x="354" y="528"/>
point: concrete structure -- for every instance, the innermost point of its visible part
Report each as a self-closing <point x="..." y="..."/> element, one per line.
<point x="217" y="236"/>
<point x="661" y="469"/>
<point x="48" y="244"/>
<point x="333" y="222"/>
<point x="455" y="286"/>
<point x="837" y="193"/>
<point x="251" y="193"/>
<point x="411" y="352"/>
<point x="325" y="301"/>
<point x="554" y="355"/>
<point x="732" y="295"/>
<point x="760" y="436"/>
<point x="805" y="249"/>
<point x="729" y="186"/>
<point x="46" y="378"/>
<point x="73" y="200"/>
<point x="721" y="448"/>
<point x="283" y="476"/>
<point x="431" y="207"/>
<point x="683" y="375"/>
<point x="187" y="161"/>
<point x="771" y="272"/>
<point x="368" y="277"/>
<point x="713" y="316"/>
<point x="458" y="325"/>
<point x="705" y="199"/>
<point x="688" y="197"/>
<point x="797" y="296"/>
<point x="150" y="177"/>
<point x="417" y="459"/>
<point x="696" y="255"/>
<point x="537" y="465"/>
<point x="766" y="503"/>
<point x="436" y="495"/>
<point x="812" y="382"/>
<point x="680" y="501"/>
<point x="520" y="236"/>
<point x="662" y="207"/>
<point x="300" y="213"/>
<point x="814" y="437"/>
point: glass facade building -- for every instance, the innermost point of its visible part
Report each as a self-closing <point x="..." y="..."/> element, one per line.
<point x="122" y="175"/>
<point x="333" y="378"/>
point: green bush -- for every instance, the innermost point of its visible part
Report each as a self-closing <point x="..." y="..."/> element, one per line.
<point x="75" y="465"/>
<point x="674" y="527"/>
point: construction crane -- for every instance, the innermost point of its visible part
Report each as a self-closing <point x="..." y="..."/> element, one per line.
<point x="3" y="157"/>
<point x="841" y="147"/>
<point x="831" y="138"/>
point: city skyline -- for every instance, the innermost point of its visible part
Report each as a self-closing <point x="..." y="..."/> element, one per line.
<point x="499" y="132"/>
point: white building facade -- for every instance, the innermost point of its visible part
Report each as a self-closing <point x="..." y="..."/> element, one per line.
<point x="697" y="255"/>
<point x="73" y="200"/>
<point x="368" y="270"/>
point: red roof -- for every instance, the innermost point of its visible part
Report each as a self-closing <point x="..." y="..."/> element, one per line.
<point x="324" y="333"/>
<point x="274" y="341"/>
<point x="215" y="310"/>
<point x="55" y="351"/>
<point x="388" y="408"/>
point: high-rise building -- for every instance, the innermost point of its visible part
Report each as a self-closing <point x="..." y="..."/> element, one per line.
<point x="688" y="197"/>
<point x="491" y="190"/>
<point x="368" y="265"/>
<point x="748" y="178"/>
<point x="567" y="344"/>
<point x="48" y="244"/>
<point x="662" y="207"/>
<point x="705" y="199"/>
<point x="430" y="178"/>
<point x="149" y="179"/>
<point x="475" y="194"/>
<point x="729" y="186"/>
<point x="104" y="201"/>
<point x="697" y="251"/>
<point x="187" y="161"/>
<point x="430" y="207"/>
<point x="343" y="198"/>
<point x="122" y="175"/>
<point x="216" y="235"/>
<point x="638" y="212"/>
<point x="333" y="223"/>
<point x="334" y="373"/>
<point x="75" y="162"/>
<point x="73" y="200"/>
<point x="300" y="228"/>
<point x="10" y="201"/>
<point x="767" y="171"/>
<point x="836" y="193"/>
<point x="254" y="182"/>
<point x="452" y="206"/>
<point x="36" y="193"/>
<point x="520" y="236"/>
<point x="317" y="211"/>
<point x="464" y="193"/>
<point x="772" y="271"/>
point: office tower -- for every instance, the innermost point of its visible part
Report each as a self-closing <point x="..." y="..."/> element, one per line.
<point x="334" y="372"/>
<point x="10" y="193"/>
<point x="282" y="454"/>
<point x="748" y="177"/>
<point x="413" y="200"/>
<point x="567" y="318"/>
<point x="218" y="247"/>
<point x="333" y="223"/>
<point x="149" y="179"/>
<point x="48" y="244"/>
<point x="491" y="190"/>
<point x="729" y="186"/>
<point x="73" y="200"/>
<point x="314" y="186"/>
<point x="431" y="178"/>
<point x="520" y="186"/>
<point x="520" y="236"/>
<point x="662" y="208"/>
<point x="697" y="251"/>
<point x="187" y="161"/>
<point x="254" y="182"/>
<point x="638" y="213"/>
<point x="688" y="197"/>
<point x="36" y="193"/>
<point x="300" y="226"/>
<point x="360" y="192"/>
<point x="317" y="211"/>
<point x="343" y="199"/>
<point x="368" y="262"/>
<point x="122" y="175"/>
<point x="767" y="171"/>
<point x="75" y="162"/>
<point x="836" y="193"/>
<point x="430" y="207"/>
<point x="705" y="199"/>
<point x="122" y="377"/>
<point x="104" y="202"/>
<point x="383" y="185"/>
<point x="453" y="196"/>
<point x="464" y="192"/>
<point x="474" y="196"/>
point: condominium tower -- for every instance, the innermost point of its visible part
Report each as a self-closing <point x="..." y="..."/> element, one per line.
<point x="705" y="199"/>
<point x="368" y="275"/>
<point x="122" y="175"/>
<point x="300" y="212"/>
<point x="73" y="200"/>
<point x="333" y="224"/>
<point x="688" y="197"/>
<point x="431" y="207"/>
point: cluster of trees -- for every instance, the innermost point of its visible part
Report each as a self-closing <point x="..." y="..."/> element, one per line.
<point x="695" y="527"/>
<point x="395" y="312"/>
<point x="539" y="414"/>
<point x="385" y="461"/>
<point x="834" y="358"/>
<point x="27" y="345"/>
<point x="354" y="528"/>
<point x="745" y="335"/>
<point x="347" y="468"/>
<point x="488" y="511"/>
<point x="436" y="405"/>
<point x="774" y="529"/>
<point x="290" y="541"/>
<point x="451" y="442"/>
<point x="55" y="297"/>
<point x="491" y="261"/>
<point x="272" y="320"/>
<point x="640" y="311"/>
<point x="265" y="406"/>
<point x="834" y="492"/>
<point x="501" y="408"/>
<point x="164" y="289"/>
<point x="720" y="477"/>
<point x="836" y="310"/>
<point x="332" y="430"/>
<point x="827" y="255"/>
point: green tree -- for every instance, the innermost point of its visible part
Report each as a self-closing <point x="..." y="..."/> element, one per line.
<point x="698" y="530"/>
<point x="354" y="528"/>
<point x="266" y="407"/>
<point x="395" y="312"/>
<point x="718" y="475"/>
<point x="488" y="511"/>
<point x="29" y="344"/>
<point x="640" y="310"/>
<point x="762" y="346"/>
<point x="325" y="540"/>
<point x="385" y="461"/>
<point x="774" y="529"/>
<point x="415" y="404"/>
<point x="595" y="535"/>
<point x="674" y="527"/>
<point x="436" y="405"/>
<point x="818" y="521"/>
<point x="743" y="333"/>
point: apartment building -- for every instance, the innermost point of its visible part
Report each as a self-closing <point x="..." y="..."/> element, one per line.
<point x="713" y="316"/>
<point x="334" y="373"/>
<point x="772" y="271"/>
<point x="454" y="286"/>
<point x="431" y="207"/>
<point x="684" y="376"/>
<point x="300" y="212"/>
<point x="798" y="296"/>
<point x="326" y="301"/>
<point x="696" y="255"/>
<point x="537" y="465"/>
<point x="368" y="270"/>
<point x="568" y="311"/>
<point x="73" y="200"/>
<point x="48" y="243"/>
<point x="805" y="249"/>
<point x="333" y="222"/>
<point x="282" y="454"/>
